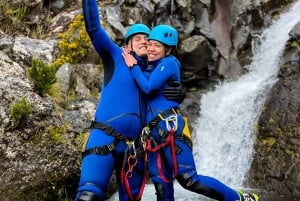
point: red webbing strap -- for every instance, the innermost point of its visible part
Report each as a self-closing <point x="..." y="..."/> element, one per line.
<point x="173" y="151"/>
<point x="161" y="174"/>
<point x="170" y="141"/>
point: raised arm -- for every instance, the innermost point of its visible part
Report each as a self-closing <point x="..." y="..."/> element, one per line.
<point x="99" y="37"/>
<point x="91" y="17"/>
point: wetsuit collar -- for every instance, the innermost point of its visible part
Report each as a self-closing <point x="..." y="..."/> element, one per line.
<point x="142" y="61"/>
<point x="154" y="63"/>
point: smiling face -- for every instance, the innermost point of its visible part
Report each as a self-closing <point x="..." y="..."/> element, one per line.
<point x="138" y="44"/>
<point x="156" y="50"/>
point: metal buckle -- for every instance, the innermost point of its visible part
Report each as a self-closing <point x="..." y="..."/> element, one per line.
<point x="92" y="124"/>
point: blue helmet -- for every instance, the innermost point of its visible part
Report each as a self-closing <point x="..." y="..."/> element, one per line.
<point x="164" y="34"/>
<point x="136" y="29"/>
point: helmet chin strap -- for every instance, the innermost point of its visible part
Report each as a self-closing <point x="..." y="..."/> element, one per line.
<point x="132" y="52"/>
<point x="131" y="45"/>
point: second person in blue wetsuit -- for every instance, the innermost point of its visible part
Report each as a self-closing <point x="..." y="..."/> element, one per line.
<point x="167" y="136"/>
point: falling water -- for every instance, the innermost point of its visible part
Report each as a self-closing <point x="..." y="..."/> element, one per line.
<point x="225" y="128"/>
<point x="229" y="114"/>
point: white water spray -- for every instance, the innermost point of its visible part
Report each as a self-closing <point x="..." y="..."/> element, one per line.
<point x="226" y="125"/>
<point x="227" y="122"/>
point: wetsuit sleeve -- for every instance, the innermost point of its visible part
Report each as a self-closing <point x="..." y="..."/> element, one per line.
<point x="99" y="37"/>
<point x="158" y="78"/>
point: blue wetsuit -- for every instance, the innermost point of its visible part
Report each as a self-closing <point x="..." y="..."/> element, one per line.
<point x="120" y="114"/>
<point x="182" y="166"/>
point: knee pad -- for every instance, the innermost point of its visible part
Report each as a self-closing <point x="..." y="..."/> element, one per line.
<point x="160" y="191"/>
<point x="87" y="196"/>
<point x="187" y="182"/>
<point x="164" y="191"/>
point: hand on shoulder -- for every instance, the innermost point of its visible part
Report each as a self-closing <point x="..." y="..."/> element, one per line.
<point x="128" y="58"/>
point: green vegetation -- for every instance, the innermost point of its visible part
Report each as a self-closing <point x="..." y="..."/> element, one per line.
<point x="271" y="121"/>
<point x="14" y="20"/>
<point x="42" y="75"/>
<point x="74" y="44"/>
<point x="56" y="133"/>
<point x="17" y="13"/>
<point x="11" y="16"/>
<point x="82" y="139"/>
<point x="270" y="141"/>
<point x="295" y="44"/>
<point x="20" y="111"/>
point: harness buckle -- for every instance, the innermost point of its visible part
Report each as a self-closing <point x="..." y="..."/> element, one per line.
<point x="100" y="150"/>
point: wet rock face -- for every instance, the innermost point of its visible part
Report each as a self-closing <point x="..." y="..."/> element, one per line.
<point x="277" y="161"/>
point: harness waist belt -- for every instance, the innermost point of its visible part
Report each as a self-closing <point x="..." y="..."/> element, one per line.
<point x="106" y="149"/>
<point x="108" y="130"/>
<point x="103" y="150"/>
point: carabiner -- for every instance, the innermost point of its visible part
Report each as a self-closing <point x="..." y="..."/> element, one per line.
<point x="145" y="134"/>
<point x="171" y="119"/>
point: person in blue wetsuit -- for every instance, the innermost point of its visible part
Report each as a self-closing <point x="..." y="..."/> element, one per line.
<point x="119" y="118"/>
<point x="167" y="136"/>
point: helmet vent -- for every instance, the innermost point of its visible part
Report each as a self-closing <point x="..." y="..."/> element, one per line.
<point x="168" y="35"/>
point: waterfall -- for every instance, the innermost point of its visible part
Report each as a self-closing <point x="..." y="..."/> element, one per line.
<point x="225" y="130"/>
<point x="227" y="122"/>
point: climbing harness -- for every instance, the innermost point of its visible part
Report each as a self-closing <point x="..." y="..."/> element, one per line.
<point x="130" y="156"/>
<point x="171" y="124"/>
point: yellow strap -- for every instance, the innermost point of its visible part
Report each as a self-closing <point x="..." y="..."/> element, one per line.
<point x="84" y="142"/>
<point x="160" y="116"/>
<point x="186" y="129"/>
<point x="174" y="111"/>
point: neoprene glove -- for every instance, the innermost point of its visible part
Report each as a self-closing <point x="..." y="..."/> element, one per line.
<point x="174" y="91"/>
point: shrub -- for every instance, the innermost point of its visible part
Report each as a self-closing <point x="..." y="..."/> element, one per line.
<point x="20" y="111"/>
<point x="11" y="16"/>
<point x="42" y="75"/>
<point x="295" y="44"/>
<point x="55" y="133"/>
<point x="74" y="44"/>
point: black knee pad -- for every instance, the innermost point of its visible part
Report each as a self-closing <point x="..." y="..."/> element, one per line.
<point x="186" y="181"/>
<point x="88" y="196"/>
<point x="160" y="191"/>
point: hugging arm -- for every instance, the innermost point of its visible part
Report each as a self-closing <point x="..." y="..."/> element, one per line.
<point x="174" y="91"/>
